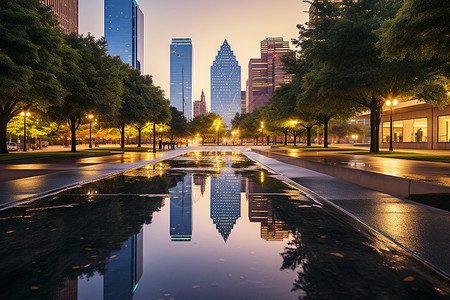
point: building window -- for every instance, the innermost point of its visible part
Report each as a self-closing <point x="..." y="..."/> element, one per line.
<point x="407" y="131"/>
<point x="444" y="129"/>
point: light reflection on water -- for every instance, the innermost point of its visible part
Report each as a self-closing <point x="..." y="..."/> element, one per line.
<point x="217" y="226"/>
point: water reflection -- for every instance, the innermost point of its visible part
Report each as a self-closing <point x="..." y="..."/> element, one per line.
<point x="201" y="226"/>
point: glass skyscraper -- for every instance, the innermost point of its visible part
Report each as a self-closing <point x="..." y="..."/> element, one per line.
<point x="226" y="84"/>
<point x="181" y="75"/>
<point x="124" y="31"/>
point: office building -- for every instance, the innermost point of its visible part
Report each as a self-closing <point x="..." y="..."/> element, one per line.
<point x="200" y="106"/>
<point x="225" y="84"/>
<point x="124" y="31"/>
<point x="66" y="12"/>
<point x="266" y="74"/>
<point x="181" y="75"/>
<point x="243" y="102"/>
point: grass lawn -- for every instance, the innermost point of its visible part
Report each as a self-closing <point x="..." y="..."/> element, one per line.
<point x="408" y="155"/>
<point x="436" y="200"/>
<point x="32" y="154"/>
<point x="313" y="148"/>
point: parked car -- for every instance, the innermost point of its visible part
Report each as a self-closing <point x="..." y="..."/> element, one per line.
<point x="44" y="144"/>
<point x="11" y="146"/>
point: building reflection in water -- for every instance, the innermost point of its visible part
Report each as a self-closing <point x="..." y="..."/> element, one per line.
<point x="260" y="209"/>
<point x="225" y="200"/>
<point x="181" y="211"/>
<point x="200" y="180"/>
<point x="124" y="269"/>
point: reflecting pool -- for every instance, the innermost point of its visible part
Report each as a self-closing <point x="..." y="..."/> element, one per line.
<point x="205" y="225"/>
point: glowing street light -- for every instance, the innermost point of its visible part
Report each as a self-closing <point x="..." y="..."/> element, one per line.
<point x="391" y="104"/>
<point x="262" y="133"/>
<point x="25" y="115"/>
<point x="90" y="130"/>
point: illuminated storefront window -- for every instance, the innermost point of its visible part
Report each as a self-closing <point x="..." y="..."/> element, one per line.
<point x="444" y="129"/>
<point x="407" y="131"/>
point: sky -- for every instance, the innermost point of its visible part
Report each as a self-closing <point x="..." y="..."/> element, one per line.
<point x="244" y="23"/>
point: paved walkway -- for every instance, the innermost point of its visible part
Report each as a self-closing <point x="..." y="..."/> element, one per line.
<point x="21" y="180"/>
<point x="424" y="230"/>
<point x="434" y="172"/>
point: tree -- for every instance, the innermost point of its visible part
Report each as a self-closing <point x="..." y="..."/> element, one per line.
<point x="342" y="47"/>
<point x="92" y="80"/>
<point x="29" y="45"/>
<point x="178" y="124"/>
<point x="419" y="29"/>
<point x="203" y="125"/>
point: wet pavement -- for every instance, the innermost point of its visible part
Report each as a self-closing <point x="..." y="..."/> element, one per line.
<point x="201" y="226"/>
<point x="21" y="180"/>
<point x="422" y="229"/>
<point x="434" y="172"/>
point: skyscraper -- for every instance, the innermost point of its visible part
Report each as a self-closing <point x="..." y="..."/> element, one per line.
<point x="225" y="84"/>
<point x="124" y="31"/>
<point x="181" y="75"/>
<point x="66" y="12"/>
<point x="266" y="74"/>
<point x="200" y="106"/>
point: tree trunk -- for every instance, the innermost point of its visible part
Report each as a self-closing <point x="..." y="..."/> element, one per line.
<point x="122" y="136"/>
<point x="375" y="120"/>
<point x="285" y="137"/>
<point x="308" y="135"/>
<point x="3" y="129"/>
<point x="139" y="136"/>
<point x="73" y="125"/>
<point x="203" y="141"/>
<point x="325" y="132"/>
<point x="295" y="139"/>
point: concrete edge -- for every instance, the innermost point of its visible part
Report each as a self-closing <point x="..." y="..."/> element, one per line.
<point x="57" y="190"/>
<point x="381" y="233"/>
<point x="393" y="185"/>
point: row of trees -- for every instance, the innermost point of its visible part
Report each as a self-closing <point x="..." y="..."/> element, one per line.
<point x="67" y="77"/>
<point x="354" y="57"/>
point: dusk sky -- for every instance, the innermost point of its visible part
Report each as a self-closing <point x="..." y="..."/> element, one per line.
<point x="245" y="23"/>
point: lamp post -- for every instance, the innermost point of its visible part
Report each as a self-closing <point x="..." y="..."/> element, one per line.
<point x="234" y="136"/>
<point x="391" y="104"/>
<point x="293" y="125"/>
<point x="90" y="130"/>
<point x="262" y="133"/>
<point x="25" y="115"/>
<point x="217" y="123"/>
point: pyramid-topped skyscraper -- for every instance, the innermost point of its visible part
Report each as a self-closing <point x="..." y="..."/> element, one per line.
<point x="225" y="84"/>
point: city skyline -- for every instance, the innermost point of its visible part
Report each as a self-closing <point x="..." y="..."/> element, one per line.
<point x="166" y="20"/>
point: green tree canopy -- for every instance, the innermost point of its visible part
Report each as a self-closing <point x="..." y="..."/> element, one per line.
<point x="178" y="124"/>
<point x="204" y="125"/>
<point x="29" y="44"/>
<point x="420" y="29"/>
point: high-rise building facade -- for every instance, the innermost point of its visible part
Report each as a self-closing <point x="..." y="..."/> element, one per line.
<point x="266" y="74"/>
<point x="66" y="12"/>
<point x="225" y="84"/>
<point x="181" y="75"/>
<point x="124" y="31"/>
<point x="200" y="106"/>
<point x="243" y="102"/>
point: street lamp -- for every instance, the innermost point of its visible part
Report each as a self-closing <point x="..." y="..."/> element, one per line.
<point x="217" y="129"/>
<point x="391" y="105"/>
<point x="90" y="130"/>
<point x="25" y="115"/>
<point x="234" y="136"/>
<point x="293" y="125"/>
<point x="262" y="133"/>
